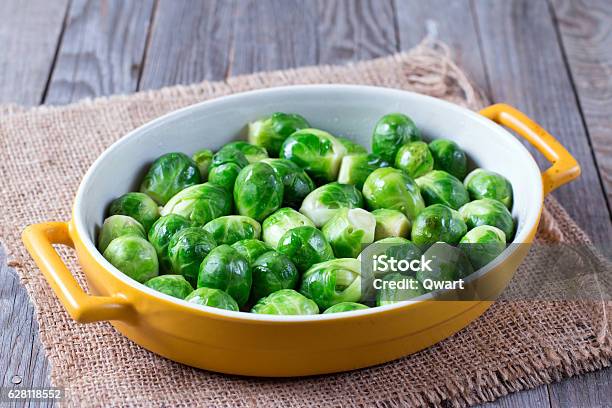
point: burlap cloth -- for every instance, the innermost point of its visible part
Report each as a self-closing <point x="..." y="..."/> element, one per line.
<point x="516" y="345"/>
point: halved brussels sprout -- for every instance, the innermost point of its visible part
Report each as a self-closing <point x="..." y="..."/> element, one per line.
<point x="233" y="228"/>
<point x="396" y="287"/>
<point x="134" y="256"/>
<point x="203" y="159"/>
<point x="391" y="132"/>
<point x="488" y="212"/>
<point x="481" y="183"/>
<point x="258" y="191"/>
<point x="272" y="272"/>
<point x="252" y="152"/>
<point x="345" y="307"/>
<point x="162" y="232"/>
<point x="213" y="298"/>
<point x="272" y="131"/>
<point x="168" y="175"/>
<point x="440" y="187"/>
<point x="305" y="246"/>
<point x="415" y="159"/>
<point x="224" y="268"/>
<point x="224" y="175"/>
<point x="325" y="201"/>
<point x="448" y="156"/>
<point x="116" y="226"/>
<point x="447" y="264"/>
<point x="438" y="223"/>
<point x="186" y="251"/>
<point x="200" y="203"/>
<point x="355" y="168"/>
<point x="251" y="249"/>
<point x="332" y="282"/>
<point x="139" y="206"/>
<point x="393" y="189"/>
<point x="285" y="302"/>
<point x="316" y="151"/>
<point x="171" y="285"/>
<point x="351" y="147"/>
<point x="483" y="244"/>
<point x="348" y="230"/>
<point x="390" y="223"/>
<point x="297" y="184"/>
<point x="281" y="221"/>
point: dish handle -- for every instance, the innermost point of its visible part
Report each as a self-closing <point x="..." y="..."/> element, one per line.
<point x="564" y="167"/>
<point x="82" y="307"/>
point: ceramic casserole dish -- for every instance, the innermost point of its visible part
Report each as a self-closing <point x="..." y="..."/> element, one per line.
<point x="266" y="345"/>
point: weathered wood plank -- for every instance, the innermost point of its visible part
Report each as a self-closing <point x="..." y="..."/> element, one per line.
<point x="102" y="49"/>
<point x="588" y="390"/>
<point x="535" y="398"/>
<point x="585" y="28"/>
<point x="29" y="34"/>
<point x="450" y="21"/>
<point x="525" y="67"/>
<point x="190" y="42"/>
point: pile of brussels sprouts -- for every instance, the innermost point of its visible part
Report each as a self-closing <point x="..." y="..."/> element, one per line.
<point x="276" y="225"/>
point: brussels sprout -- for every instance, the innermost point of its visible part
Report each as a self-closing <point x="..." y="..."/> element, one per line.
<point x="395" y="248"/>
<point x="224" y="175"/>
<point x="305" y="246"/>
<point x="325" y="201"/>
<point x="447" y="263"/>
<point x="396" y="287"/>
<point x="186" y="251"/>
<point x="252" y="152"/>
<point x="415" y="159"/>
<point x="345" y="307"/>
<point x="162" y="232"/>
<point x="391" y="132"/>
<point x="332" y="282"/>
<point x="488" y="212"/>
<point x="203" y="159"/>
<point x="351" y="147"/>
<point x="233" y="228"/>
<point x="286" y="302"/>
<point x="348" y="230"/>
<point x="272" y="271"/>
<point x="439" y="187"/>
<point x="171" y="285"/>
<point x="134" y="256"/>
<point x="281" y="221"/>
<point x="483" y="244"/>
<point x="251" y="249"/>
<point x="116" y="226"/>
<point x="224" y="268"/>
<point x="355" y="168"/>
<point x="390" y="223"/>
<point x="316" y="151"/>
<point x="438" y="223"/>
<point x="448" y="156"/>
<point x="139" y="206"/>
<point x="213" y="298"/>
<point x="168" y="175"/>
<point x="393" y="189"/>
<point x="228" y="154"/>
<point x="272" y="131"/>
<point x="258" y="191"/>
<point x="399" y="248"/>
<point x="297" y="184"/>
<point x="482" y="183"/>
<point x="200" y="203"/>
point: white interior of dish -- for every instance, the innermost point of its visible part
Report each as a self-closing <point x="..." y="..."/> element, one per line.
<point x="344" y="110"/>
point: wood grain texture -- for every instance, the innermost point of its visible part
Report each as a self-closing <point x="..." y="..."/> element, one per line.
<point x="525" y="67"/>
<point x="190" y="41"/>
<point x="585" y="28"/>
<point x="534" y="398"/>
<point x="588" y="390"/>
<point x="450" y="21"/>
<point x="102" y="49"/>
<point x="29" y="34"/>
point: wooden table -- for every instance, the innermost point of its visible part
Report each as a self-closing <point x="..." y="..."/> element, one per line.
<point x="552" y="59"/>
